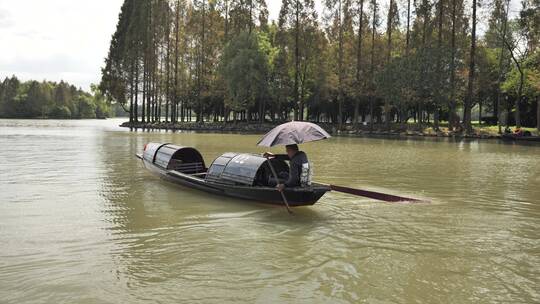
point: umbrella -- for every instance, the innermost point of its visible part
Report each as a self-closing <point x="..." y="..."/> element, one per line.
<point x="295" y="132"/>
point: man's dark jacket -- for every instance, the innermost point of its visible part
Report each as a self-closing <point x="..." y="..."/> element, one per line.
<point x="295" y="165"/>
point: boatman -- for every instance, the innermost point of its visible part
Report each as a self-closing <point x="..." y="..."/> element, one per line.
<point x="299" y="168"/>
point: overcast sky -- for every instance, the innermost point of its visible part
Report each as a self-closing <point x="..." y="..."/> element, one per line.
<point x="63" y="39"/>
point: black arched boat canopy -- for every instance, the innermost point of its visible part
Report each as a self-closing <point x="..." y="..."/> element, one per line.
<point x="243" y="169"/>
<point x="172" y="157"/>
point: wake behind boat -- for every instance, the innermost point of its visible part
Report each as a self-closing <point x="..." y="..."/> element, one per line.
<point x="238" y="175"/>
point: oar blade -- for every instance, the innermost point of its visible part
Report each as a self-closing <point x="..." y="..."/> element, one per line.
<point x="372" y="194"/>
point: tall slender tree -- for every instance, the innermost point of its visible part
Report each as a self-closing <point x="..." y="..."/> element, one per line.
<point x="360" y="37"/>
<point x="374" y="21"/>
<point x="467" y="108"/>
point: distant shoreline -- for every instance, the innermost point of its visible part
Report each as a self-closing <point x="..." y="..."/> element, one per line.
<point x="398" y="131"/>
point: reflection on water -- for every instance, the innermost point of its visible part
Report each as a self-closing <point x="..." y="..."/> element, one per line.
<point x="82" y="221"/>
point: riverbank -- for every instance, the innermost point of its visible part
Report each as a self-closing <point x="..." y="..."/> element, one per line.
<point x="396" y="130"/>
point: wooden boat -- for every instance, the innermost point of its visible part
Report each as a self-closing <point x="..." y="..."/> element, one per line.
<point x="515" y="137"/>
<point x="238" y="175"/>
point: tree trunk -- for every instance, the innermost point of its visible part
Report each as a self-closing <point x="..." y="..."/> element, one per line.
<point x="407" y="43"/>
<point x="262" y="113"/>
<point x="157" y="99"/>
<point x="226" y="34"/>
<point x="296" y="58"/>
<point x="521" y="81"/>
<point x="136" y="105"/>
<point x="425" y="21"/>
<point x="403" y="109"/>
<point x="143" y="112"/>
<point x="203" y="61"/>
<point x="388" y="106"/>
<point x="372" y="66"/>
<point x="149" y="78"/>
<point x="538" y="113"/>
<point x="518" y="100"/>
<point x="303" y="90"/>
<point x="359" y="64"/>
<point x="149" y="93"/>
<point x="439" y="67"/>
<point x="159" y="95"/>
<point x="469" y="100"/>
<point x="174" y="111"/>
<point x="480" y="112"/>
<point x="451" y="101"/>
<point x="389" y="31"/>
<point x="131" y="92"/>
<point x="340" y="68"/>
<point x="501" y="68"/>
<point x="167" y="67"/>
<point x="250" y="16"/>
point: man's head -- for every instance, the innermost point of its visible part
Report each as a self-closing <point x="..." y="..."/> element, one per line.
<point x="291" y="150"/>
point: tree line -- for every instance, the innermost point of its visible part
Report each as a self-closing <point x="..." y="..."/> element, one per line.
<point x="356" y="63"/>
<point x="33" y="99"/>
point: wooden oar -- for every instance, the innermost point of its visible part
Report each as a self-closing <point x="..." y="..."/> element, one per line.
<point x="281" y="192"/>
<point x="374" y="195"/>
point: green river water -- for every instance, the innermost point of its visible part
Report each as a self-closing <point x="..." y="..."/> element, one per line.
<point x="81" y="221"/>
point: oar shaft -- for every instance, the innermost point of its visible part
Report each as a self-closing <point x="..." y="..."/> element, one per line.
<point x="281" y="192"/>
<point x="372" y="194"/>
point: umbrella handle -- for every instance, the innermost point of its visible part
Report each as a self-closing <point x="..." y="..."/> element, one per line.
<point x="281" y="192"/>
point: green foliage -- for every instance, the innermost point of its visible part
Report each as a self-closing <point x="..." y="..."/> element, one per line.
<point x="102" y="108"/>
<point x="355" y="62"/>
<point x="34" y="99"/>
<point x="531" y="71"/>
<point x="87" y="108"/>
<point x="245" y="68"/>
<point x="61" y="112"/>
